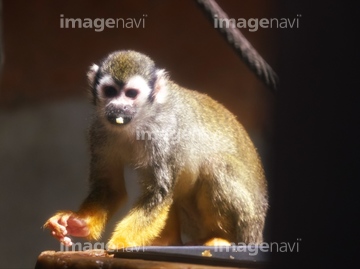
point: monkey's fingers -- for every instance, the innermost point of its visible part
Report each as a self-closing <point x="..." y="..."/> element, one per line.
<point x="63" y="239"/>
<point x="57" y="225"/>
<point x="77" y="227"/>
<point x="64" y="224"/>
<point x="58" y="230"/>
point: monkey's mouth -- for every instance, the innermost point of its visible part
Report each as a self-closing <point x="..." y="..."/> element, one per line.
<point x="119" y="119"/>
<point x="119" y="115"/>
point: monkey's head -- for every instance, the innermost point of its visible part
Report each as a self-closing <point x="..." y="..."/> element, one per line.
<point x="123" y="83"/>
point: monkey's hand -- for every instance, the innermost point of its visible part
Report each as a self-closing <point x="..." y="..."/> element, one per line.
<point x="65" y="224"/>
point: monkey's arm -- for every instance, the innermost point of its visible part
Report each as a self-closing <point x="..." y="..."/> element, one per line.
<point x="141" y="226"/>
<point x="146" y="221"/>
<point x="106" y="195"/>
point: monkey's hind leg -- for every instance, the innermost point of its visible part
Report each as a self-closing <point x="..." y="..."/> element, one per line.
<point x="170" y="235"/>
<point x="232" y="203"/>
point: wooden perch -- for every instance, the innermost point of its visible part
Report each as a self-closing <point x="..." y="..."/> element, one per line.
<point x="94" y="259"/>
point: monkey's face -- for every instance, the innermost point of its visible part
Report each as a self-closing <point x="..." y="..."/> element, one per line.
<point x="121" y="86"/>
<point x="119" y="102"/>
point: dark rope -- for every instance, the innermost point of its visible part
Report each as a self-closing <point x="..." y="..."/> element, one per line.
<point x="241" y="45"/>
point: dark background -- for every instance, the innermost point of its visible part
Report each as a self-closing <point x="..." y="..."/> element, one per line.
<point x="315" y="170"/>
<point x="306" y="134"/>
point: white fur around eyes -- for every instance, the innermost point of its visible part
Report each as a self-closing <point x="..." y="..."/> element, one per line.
<point x="106" y="80"/>
<point x="138" y="83"/>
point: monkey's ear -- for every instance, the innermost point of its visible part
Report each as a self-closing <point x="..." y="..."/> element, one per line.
<point x="160" y="86"/>
<point x="92" y="73"/>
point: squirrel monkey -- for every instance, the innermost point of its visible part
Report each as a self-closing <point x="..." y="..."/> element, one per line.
<point x="198" y="170"/>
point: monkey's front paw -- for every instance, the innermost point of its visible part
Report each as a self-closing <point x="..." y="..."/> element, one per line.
<point x="67" y="223"/>
<point x="120" y="243"/>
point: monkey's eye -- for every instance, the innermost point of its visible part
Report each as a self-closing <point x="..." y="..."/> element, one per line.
<point x="131" y="93"/>
<point x="110" y="91"/>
